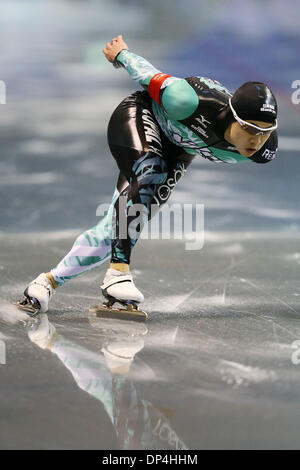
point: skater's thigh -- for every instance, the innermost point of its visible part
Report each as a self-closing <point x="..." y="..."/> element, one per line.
<point x="133" y="132"/>
<point x="177" y="161"/>
<point x="174" y="155"/>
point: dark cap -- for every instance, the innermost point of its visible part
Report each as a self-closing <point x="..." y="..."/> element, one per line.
<point x="255" y="101"/>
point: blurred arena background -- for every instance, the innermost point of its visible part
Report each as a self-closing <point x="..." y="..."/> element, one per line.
<point x="55" y="162"/>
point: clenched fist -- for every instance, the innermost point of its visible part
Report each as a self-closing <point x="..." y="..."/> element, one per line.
<point x="113" y="48"/>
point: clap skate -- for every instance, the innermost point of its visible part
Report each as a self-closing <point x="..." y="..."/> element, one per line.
<point x="118" y="287"/>
<point x="36" y="296"/>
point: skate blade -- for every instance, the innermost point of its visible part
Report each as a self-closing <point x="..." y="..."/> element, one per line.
<point x="30" y="319"/>
<point x="27" y="307"/>
<point x="129" y="313"/>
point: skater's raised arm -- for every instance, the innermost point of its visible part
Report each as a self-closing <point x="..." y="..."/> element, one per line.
<point x="138" y="68"/>
<point x="175" y="95"/>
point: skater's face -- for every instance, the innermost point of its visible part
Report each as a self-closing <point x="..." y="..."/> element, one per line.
<point x="245" y="143"/>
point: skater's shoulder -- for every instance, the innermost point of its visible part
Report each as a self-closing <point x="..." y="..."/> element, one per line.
<point x="208" y="86"/>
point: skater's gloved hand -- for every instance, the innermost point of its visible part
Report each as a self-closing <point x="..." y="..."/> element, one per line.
<point x="45" y="334"/>
<point x="112" y="49"/>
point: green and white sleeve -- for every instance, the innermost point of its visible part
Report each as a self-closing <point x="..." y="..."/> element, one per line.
<point x="178" y="99"/>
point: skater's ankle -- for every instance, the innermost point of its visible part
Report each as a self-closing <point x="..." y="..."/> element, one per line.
<point x="51" y="279"/>
<point x="123" y="267"/>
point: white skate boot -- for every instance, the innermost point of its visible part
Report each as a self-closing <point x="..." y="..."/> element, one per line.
<point x="43" y="334"/>
<point x="37" y="295"/>
<point x="118" y="286"/>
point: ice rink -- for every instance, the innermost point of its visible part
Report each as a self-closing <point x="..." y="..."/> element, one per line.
<point x="217" y="365"/>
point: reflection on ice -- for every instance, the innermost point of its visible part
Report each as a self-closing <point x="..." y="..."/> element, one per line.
<point x="138" y="423"/>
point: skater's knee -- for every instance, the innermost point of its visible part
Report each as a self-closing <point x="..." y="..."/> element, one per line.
<point x="84" y="238"/>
